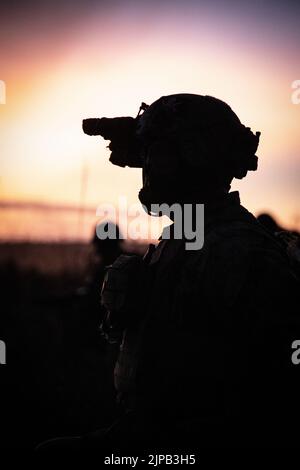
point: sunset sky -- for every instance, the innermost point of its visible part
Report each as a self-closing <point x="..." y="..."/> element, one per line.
<point x="63" y="61"/>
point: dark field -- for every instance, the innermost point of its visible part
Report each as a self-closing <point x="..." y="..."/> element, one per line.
<point x="58" y="379"/>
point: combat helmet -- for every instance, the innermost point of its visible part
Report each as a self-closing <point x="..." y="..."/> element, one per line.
<point x="189" y="146"/>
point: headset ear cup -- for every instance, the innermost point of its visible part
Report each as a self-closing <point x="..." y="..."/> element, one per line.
<point x="243" y="158"/>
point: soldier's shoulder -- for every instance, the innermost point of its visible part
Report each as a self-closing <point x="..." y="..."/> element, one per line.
<point x="231" y="252"/>
<point x="235" y="239"/>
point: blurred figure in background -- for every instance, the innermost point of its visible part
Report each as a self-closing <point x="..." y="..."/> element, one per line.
<point x="289" y="239"/>
<point x="269" y="223"/>
<point x="103" y="252"/>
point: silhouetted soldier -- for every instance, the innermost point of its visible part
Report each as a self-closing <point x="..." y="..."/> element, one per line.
<point x="210" y="359"/>
<point x="205" y="335"/>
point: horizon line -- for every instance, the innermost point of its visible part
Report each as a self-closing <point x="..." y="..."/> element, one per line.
<point x="15" y="204"/>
